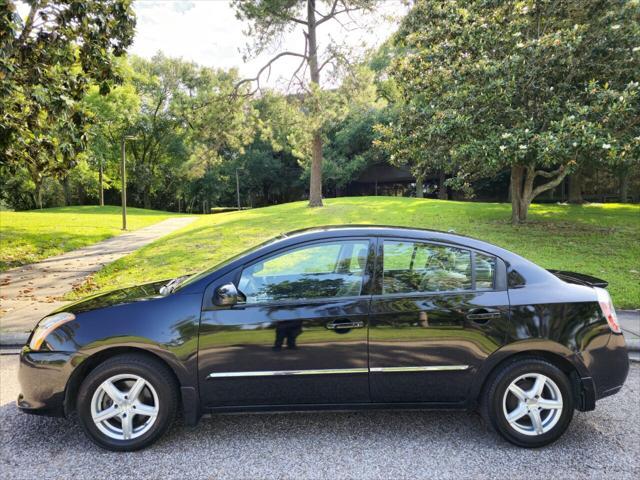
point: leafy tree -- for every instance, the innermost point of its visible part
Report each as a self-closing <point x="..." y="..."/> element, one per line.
<point x="350" y="134"/>
<point x="540" y="87"/>
<point x="218" y="125"/>
<point x="268" y="20"/>
<point x="48" y="60"/>
<point x="270" y="167"/>
<point x="111" y="116"/>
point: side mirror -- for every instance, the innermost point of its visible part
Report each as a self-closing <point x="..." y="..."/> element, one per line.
<point x="226" y="295"/>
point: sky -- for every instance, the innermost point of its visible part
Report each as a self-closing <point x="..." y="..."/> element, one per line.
<point x="208" y="33"/>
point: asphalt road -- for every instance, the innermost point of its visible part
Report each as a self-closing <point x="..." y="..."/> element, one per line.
<point x="600" y="444"/>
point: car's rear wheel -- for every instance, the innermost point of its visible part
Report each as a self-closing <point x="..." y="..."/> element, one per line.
<point x="529" y="402"/>
<point x="127" y="402"/>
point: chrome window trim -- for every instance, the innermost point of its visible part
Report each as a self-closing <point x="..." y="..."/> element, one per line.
<point x="331" y="371"/>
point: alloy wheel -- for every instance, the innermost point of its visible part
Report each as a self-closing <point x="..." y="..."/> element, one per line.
<point x="532" y="404"/>
<point x="124" y="406"/>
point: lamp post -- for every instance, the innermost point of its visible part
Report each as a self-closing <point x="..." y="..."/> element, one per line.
<point x="124" y="178"/>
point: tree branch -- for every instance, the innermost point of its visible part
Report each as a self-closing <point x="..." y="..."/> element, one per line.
<point x="28" y="24"/>
<point x="561" y="172"/>
<point x="333" y="10"/>
<point x="306" y="53"/>
<point x="323" y="64"/>
<point x="333" y="13"/>
<point x="283" y="16"/>
<point x="296" y="20"/>
<point x="544" y="174"/>
<point x="265" y="67"/>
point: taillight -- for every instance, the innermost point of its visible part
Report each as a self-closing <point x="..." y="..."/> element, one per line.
<point x="606" y="305"/>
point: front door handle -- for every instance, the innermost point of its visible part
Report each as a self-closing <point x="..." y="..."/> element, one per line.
<point x="342" y="325"/>
<point x="482" y="315"/>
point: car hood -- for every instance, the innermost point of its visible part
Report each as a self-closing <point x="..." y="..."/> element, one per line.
<point x="139" y="293"/>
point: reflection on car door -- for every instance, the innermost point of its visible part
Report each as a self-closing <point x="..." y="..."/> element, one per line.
<point x="435" y="316"/>
<point x="301" y="335"/>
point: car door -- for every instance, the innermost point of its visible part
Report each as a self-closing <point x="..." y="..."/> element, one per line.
<point x="437" y="312"/>
<point x="299" y="335"/>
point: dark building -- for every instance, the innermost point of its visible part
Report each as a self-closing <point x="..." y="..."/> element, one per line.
<point x="383" y="179"/>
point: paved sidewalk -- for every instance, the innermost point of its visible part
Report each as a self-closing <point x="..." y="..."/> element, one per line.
<point x="630" y="324"/>
<point x="28" y="293"/>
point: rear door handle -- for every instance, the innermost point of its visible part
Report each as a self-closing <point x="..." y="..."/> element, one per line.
<point x="482" y="315"/>
<point x="342" y="325"/>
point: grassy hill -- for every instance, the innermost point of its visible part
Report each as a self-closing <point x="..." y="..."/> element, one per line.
<point x="27" y="237"/>
<point x="601" y="240"/>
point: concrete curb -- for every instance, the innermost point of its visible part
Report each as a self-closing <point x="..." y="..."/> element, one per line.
<point x="13" y="339"/>
<point x="633" y="344"/>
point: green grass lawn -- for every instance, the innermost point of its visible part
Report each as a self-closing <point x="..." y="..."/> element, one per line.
<point x="27" y="237"/>
<point x="601" y="239"/>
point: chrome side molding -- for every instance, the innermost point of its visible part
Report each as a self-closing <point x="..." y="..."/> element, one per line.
<point x="328" y="371"/>
<point x="430" y="368"/>
<point x="332" y="371"/>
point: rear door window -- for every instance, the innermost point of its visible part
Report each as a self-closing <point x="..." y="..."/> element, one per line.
<point x="410" y="266"/>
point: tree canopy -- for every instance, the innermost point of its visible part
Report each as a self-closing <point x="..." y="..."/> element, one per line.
<point x="478" y="98"/>
<point x="534" y="86"/>
<point x="48" y="62"/>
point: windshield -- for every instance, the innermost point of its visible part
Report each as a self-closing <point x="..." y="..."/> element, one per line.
<point x="189" y="279"/>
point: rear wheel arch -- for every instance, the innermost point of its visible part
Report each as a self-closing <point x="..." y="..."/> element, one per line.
<point x="554" y="358"/>
<point x="90" y="363"/>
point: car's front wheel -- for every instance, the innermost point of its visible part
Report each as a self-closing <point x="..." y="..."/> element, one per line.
<point x="127" y="402"/>
<point x="529" y="402"/>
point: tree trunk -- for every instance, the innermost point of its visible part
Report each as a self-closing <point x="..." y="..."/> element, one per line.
<point x="575" y="188"/>
<point x="624" y="186"/>
<point x="100" y="181"/>
<point x="442" y="189"/>
<point x="38" y="195"/>
<point x="146" y="199"/>
<point x="523" y="191"/>
<point x="66" y="190"/>
<point x="315" y="180"/>
<point x="315" y="184"/>
<point x="419" y="188"/>
<point x="515" y="188"/>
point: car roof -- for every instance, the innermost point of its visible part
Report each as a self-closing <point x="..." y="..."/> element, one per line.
<point x="329" y="231"/>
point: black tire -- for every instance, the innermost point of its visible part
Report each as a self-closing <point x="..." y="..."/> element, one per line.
<point x="493" y="396"/>
<point x="152" y="371"/>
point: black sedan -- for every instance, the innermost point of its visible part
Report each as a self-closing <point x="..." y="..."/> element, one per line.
<point x="334" y="318"/>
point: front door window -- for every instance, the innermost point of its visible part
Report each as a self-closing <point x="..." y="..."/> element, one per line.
<point x="326" y="270"/>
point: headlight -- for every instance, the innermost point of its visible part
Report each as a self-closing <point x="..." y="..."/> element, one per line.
<point x="48" y="325"/>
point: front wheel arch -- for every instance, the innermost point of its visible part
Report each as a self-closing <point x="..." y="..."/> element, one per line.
<point x="91" y="362"/>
